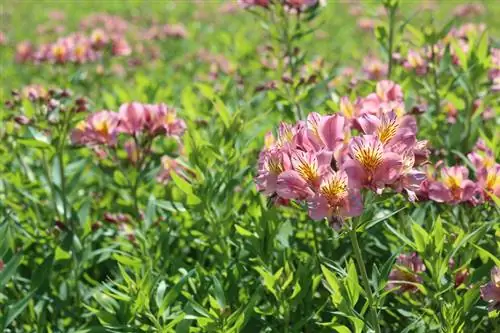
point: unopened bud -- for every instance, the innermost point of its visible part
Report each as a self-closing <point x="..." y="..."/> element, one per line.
<point x="22" y="120"/>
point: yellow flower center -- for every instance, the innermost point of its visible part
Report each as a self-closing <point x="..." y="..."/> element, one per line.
<point x="308" y="171"/>
<point x="387" y="130"/>
<point x="286" y="136"/>
<point x="492" y="180"/>
<point x="370" y="157"/>
<point x="102" y="127"/>
<point x="169" y="118"/>
<point x="80" y="51"/>
<point x="452" y="182"/>
<point x="59" y="51"/>
<point x="275" y="166"/>
<point x="81" y="125"/>
<point x="347" y="109"/>
<point x="334" y="190"/>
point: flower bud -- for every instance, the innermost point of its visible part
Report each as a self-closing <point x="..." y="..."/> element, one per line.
<point x="22" y="120"/>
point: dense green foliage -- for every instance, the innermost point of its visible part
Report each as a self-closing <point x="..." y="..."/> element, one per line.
<point x="205" y="251"/>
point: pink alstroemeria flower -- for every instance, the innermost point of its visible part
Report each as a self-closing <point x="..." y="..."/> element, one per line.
<point x="325" y="132"/>
<point x="491" y="291"/>
<point x="407" y="269"/>
<point x="414" y="61"/>
<point x="454" y="187"/>
<point x="374" y="68"/>
<point x="335" y="199"/>
<point x="132" y="118"/>
<point x="390" y="129"/>
<point x="370" y="164"/>
<point x="272" y="163"/>
<point x="411" y="179"/>
<point x="305" y="176"/>
<point x="488" y="183"/>
<point x="388" y="97"/>
<point x="98" y="128"/>
<point x="160" y="118"/>
<point x="252" y="3"/>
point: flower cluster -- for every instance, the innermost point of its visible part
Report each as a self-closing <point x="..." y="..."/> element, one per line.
<point x="320" y="163"/>
<point x="135" y="120"/>
<point x="75" y="48"/>
<point x="53" y="106"/>
<point x="453" y="186"/>
<point x="295" y="5"/>
<point x="407" y="273"/>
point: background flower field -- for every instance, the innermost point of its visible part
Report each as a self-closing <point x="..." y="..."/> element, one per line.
<point x="249" y="166"/>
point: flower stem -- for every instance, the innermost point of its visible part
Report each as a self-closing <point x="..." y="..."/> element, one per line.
<point x="392" y="13"/>
<point x="364" y="276"/>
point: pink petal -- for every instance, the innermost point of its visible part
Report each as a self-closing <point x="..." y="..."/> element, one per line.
<point x="291" y="185"/>
<point x="354" y="204"/>
<point x="369" y="123"/>
<point x="318" y="208"/>
<point x="389" y="170"/>
<point x="355" y="172"/>
<point x="331" y="130"/>
<point x="439" y="193"/>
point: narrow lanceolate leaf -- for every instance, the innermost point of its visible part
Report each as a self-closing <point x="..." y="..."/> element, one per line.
<point x="10" y="269"/>
<point x="333" y="285"/>
<point x="14" y="310"/>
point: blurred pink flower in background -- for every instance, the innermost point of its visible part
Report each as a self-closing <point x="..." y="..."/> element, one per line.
<point x="491" y="291"/>
<point x="469" y="9"/>
<point x="407" y="269"/>
<point x="24" y="51"/>
<point x="374" y="68"/>
<point x="252" y="3"/>
<point x="454" y="186"/>
<point x="414" y="61"/>
<point x="99" y="128"/>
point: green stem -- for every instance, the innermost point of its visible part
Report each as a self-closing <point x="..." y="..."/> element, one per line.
<point x="63" y="184"/>
<point x="392" y="13"/>
<point x="46" y="170"/>
<point x="364" y="276"/>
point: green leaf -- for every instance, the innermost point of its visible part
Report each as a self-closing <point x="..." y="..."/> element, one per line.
<point x="174" y="292"/>
<point x="183" y="185"/>
<point x="62" y="254"/>
<point x="353" y="287"/>
<point x="470" y="298"/>
<point x="400" y="236"/>
<point x="9" y="269"/>
<point x="17" y="308"/>
<point x="219" y="293"/>
<point x="242" y="231"/>
<point x="420" y="236"/>
<point x="341" y="329"/>
<point x="333" y="284"/>
<point x="223" y="112"/>
<point x="127" y="260"/>
<point x="438" y="235"/>
<point x="487" y="254"/>
<point x="268" y="279"/>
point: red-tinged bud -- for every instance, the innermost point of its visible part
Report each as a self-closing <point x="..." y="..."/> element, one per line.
<point x="53" y="104"/>
<point x="287" y="79"/>
<point x="96" y="226"/>
<point x="66" y="93"/>
<point x="461" y="277"/>
<point x="108" y="217"/>
<point x="9" y="105"/>
<point x="2" y="265"/>
<point x="22" y="120"/>
<point x="60" y="225"/>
